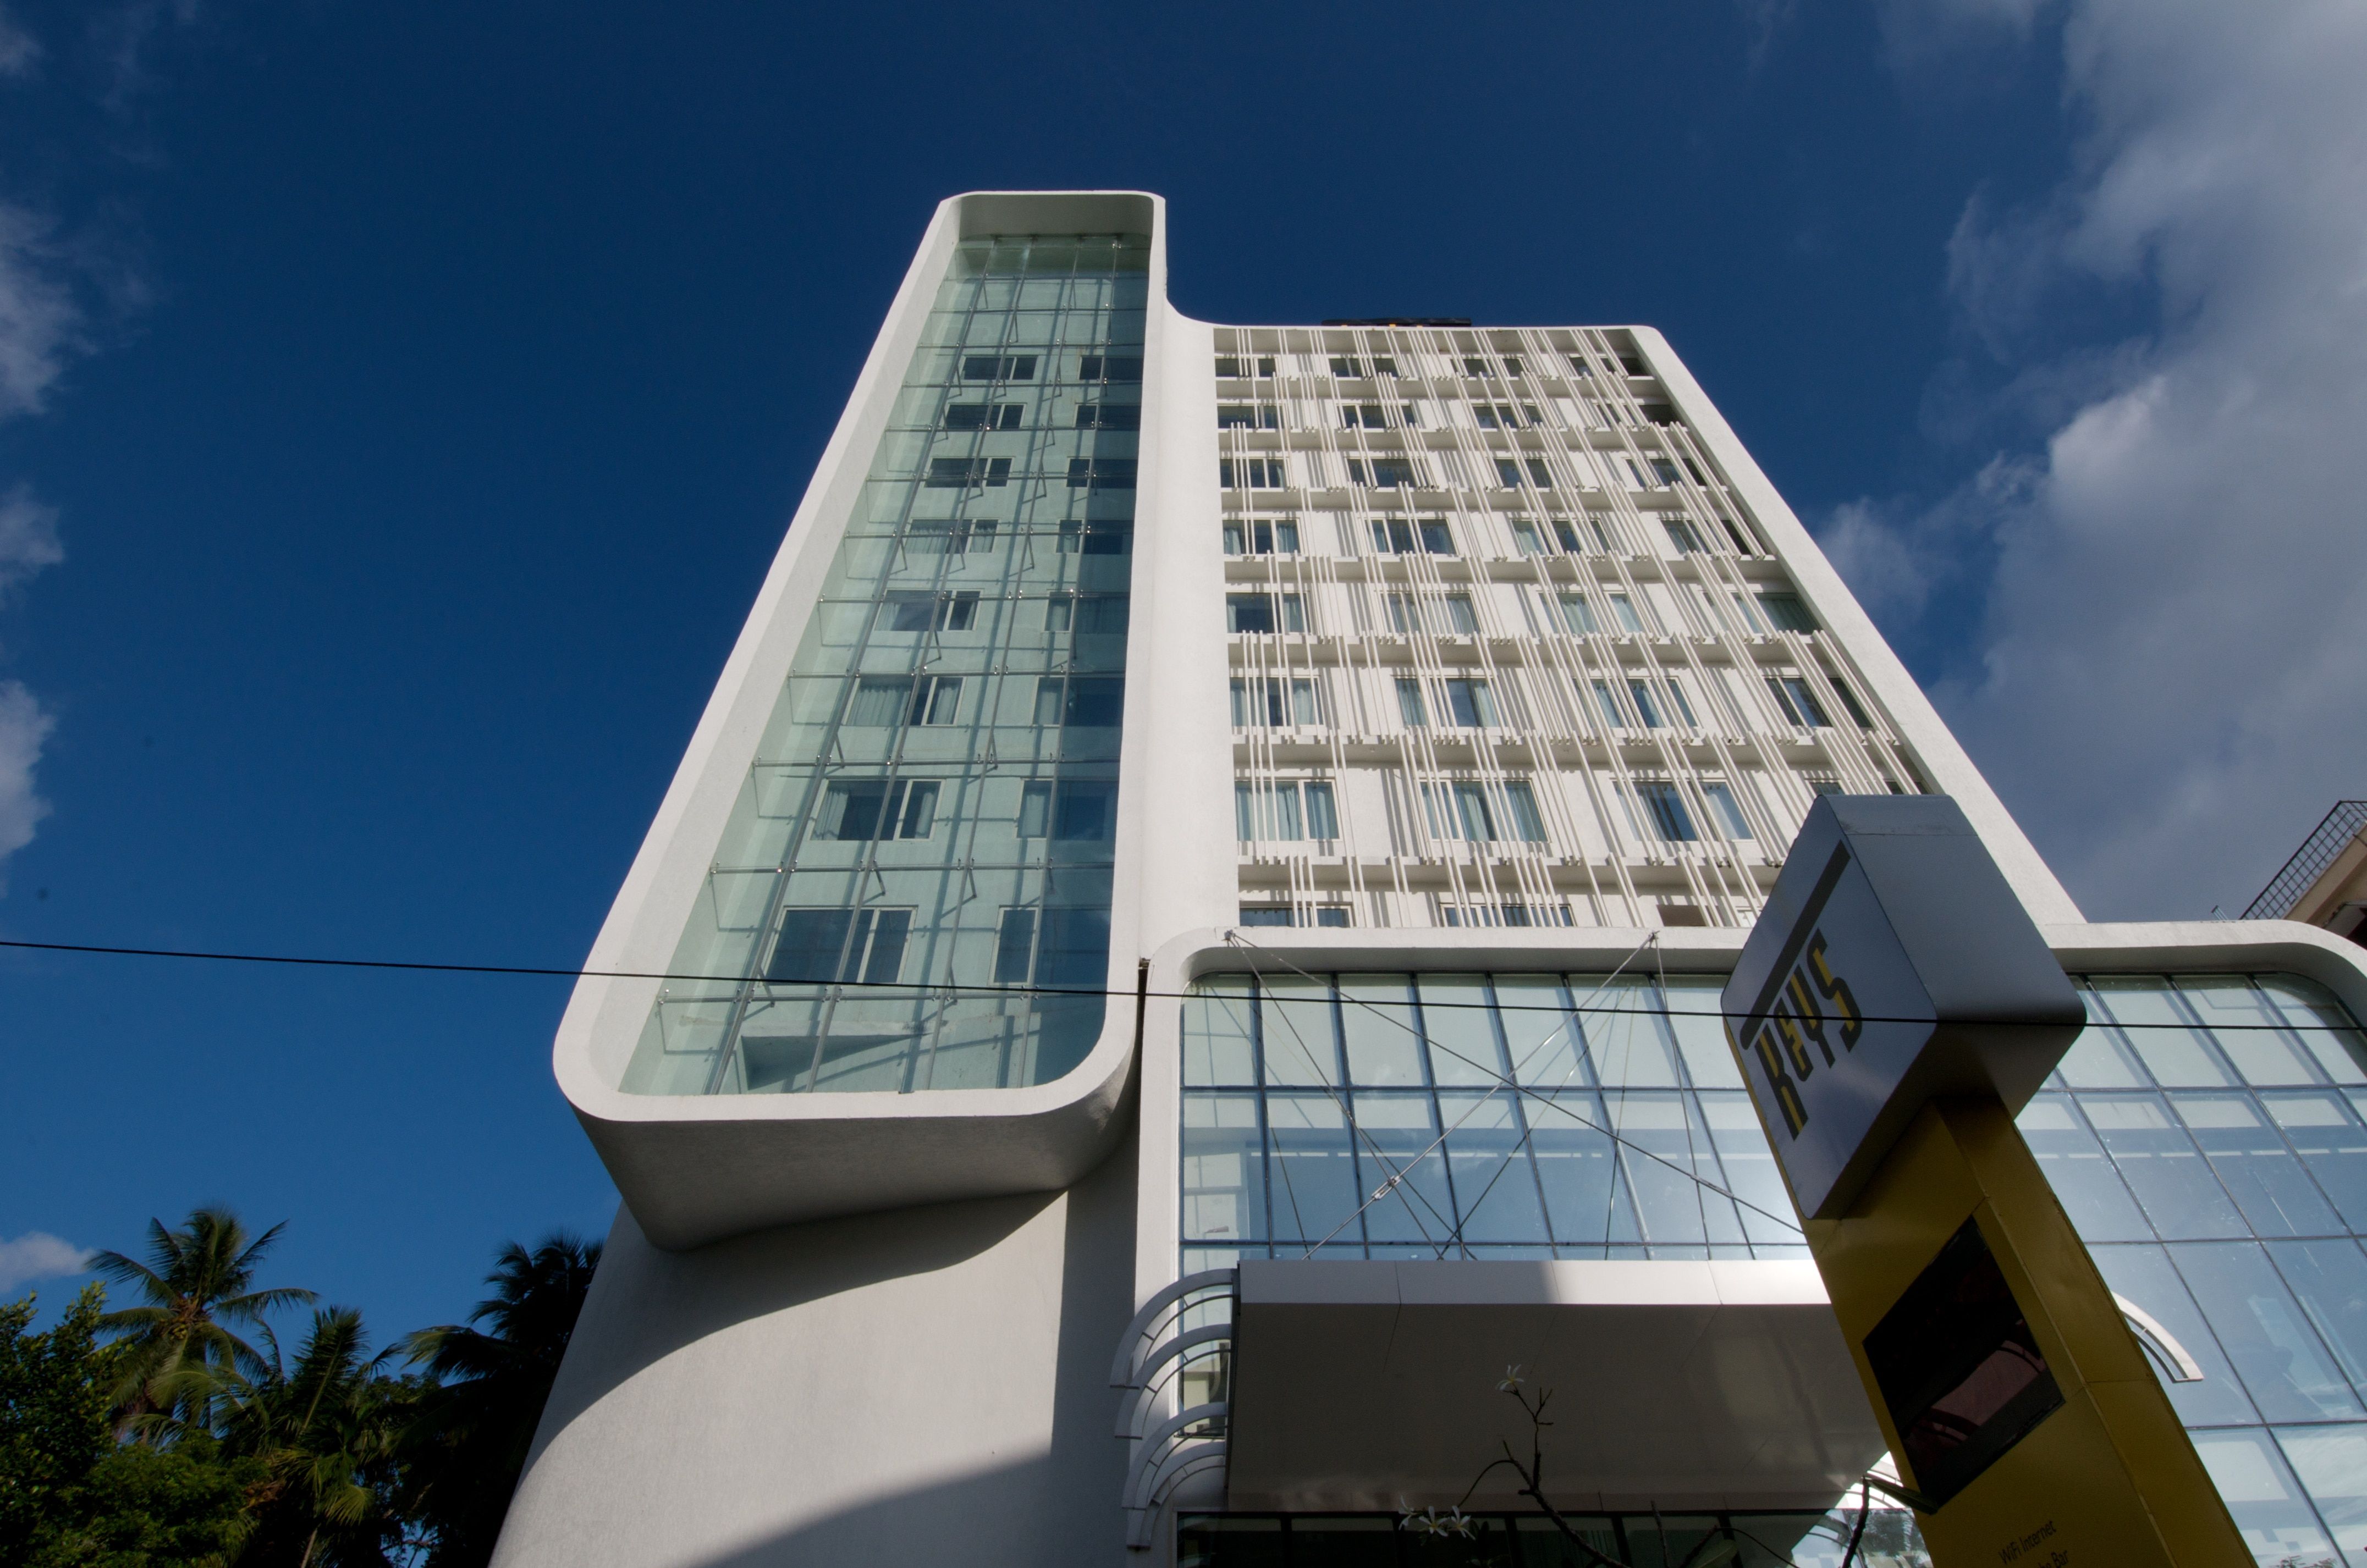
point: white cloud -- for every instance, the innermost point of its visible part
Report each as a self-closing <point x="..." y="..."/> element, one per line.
<point x="24" y="728"/>
<point x="19" y="51"/>
<point x="40" y="326"/>
<point x="2169" y="692"/>
<point x="28" y="538"/>
<point x="37" y="1255"/>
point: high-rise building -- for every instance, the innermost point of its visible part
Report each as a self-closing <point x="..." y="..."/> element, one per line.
<point x="1186" y="944"/>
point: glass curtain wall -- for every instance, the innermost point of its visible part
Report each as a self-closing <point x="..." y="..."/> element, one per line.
<point x="920" y="860"/>
<point x="2207" y="1135"/>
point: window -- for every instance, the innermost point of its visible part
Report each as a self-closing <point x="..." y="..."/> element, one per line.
<point x="1727" y="809"/>
<point x="1459" y="616"/>
<point x="1684" y="708"/>
<point x="1566" y="535"/>
<point x="1085" y="811"/>
<point x="1272" y="702"/>
<point x="967" y="473"/>
<point x="814" y="946"/>
<point x="1248" y="416"/>
<point x="1101" y="473"/>
<point x="937" y="699"/>
<point x="1384" y="473"/>
<point x="1109" y="416"/>
<point x="1104" y="537"/>
<point x="1525" y="537"/>
<point x="1664" y="473"/>
<point x="1073" y="947"/>
<point x="982" y="416"/>
<point x="1472" y="705"/>
<point x="1086" y="702"/>
<point x="1251" y="473"/>
<point x="1255" y="613"/>
<point x="1036" y="810"/>
<point x="1383" y="365"/>
<point x="1289" y="812"/>
<point x="1496" y="416"/>
<point x="999" y="367"/>
<point x="1505" y="914"/>
<point x="1230" y="368"/>
<point x="1269" y="915"/>
<point x="916" y="612"/>
<point x="1435" y="539"/>
<point x="1786" y="613"/>
<point x="1796" y="703"/>
<point x="1511" y="366"/>
<point x="1577" y="615"/>
<point x="1405" y="614"/>
<point x="1660" y="414"/>
<point x="1410" y="708"/>
<point x="1089" y="613"/>
<point x="1395" y="536"/>
<point x="1665" y="809"/>
<point x="947" y="536"/>
<point x="1539" y="475"/>
<point x="879" y="701"/>
<point x="1684" y="536"/>
<point x="1508" y="473"/>
<point x="1363" y="416"/>
<point x="855" y="810"/>
<point x="1641" y="691"/>
<point x="1633" y="365"/>
<point x="1608" y="705"/>
<point x="1623" y="613"/>
<point x="1579" y="365"/>
<point x="1109" y="367"/>
<point x="1527" y="824"/>
<point x="1014" y="947"/>
<point x="1262" y="538"/>
<point x="1480" y="367"/>
<point x="1849" y="701"/>
<point x="1342" y="365"/>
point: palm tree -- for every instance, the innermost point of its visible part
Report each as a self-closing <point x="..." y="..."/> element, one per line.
<point x="475" y="1426"/>
<point x="329" y="1429"/>
<point x="197" y="1280"/>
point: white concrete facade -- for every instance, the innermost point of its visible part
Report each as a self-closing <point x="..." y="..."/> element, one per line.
<point x="874" y="1325"/>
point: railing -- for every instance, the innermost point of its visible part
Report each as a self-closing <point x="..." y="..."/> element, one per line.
<point x="1188" y="1322"/>
<point x="2318" y="851"/>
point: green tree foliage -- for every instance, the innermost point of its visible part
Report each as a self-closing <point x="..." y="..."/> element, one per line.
<point x="180" y="1442"/>
<point x="490" y="1384"/>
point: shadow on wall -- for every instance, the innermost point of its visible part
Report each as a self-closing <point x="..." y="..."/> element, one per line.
<point x="1011" y="1514"/>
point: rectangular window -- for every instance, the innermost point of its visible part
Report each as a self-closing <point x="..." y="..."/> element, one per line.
<point x="1101" y="473"/>
<point x="1109" y="367"/>
<point x="1342" y="365"/>
<point x="817" y="946"/>
<point x="1228" y="368"/>
<point x="1528" y="824"/>
<point x="857" y="810"/>
<point x="1641" y="691"/>
<point x="937" y="699"/>
<point x="1472" y="704"/>
<point x="1508" y="473"/>
<point x="1511" y="366"/>
<point x="999" y="367"/>
<point x="1479" y="368"/>
<point x="982" y="416"/>
<point x="1623" y="613"/>
<point x="1261" y="537"/>
<point x="1094" y="702"/>
<point x="1539" y="475"/>
<point x="947" y="537"/>
<point x="1566" y="537"/>
<point x="1248" y="416"/>
<point x="1363" y="416"/>
<point x="1109" y="416"/>
<point x="1014" y="947"/>
<point x="1074" y="948"/>
<point x="956" y="611"/>
<point x="1383" y="365"/>
<point x="1608" y="705"/>
<point x="1665" y="809"/>
<point x="1849" y="701"/>
<point x="1107" y="538"/>
<point x="1484" y="416"/>
<point x="967" y="473"/>
<point x="1384" y="473"/>
<point x="1577" y="615"/>
<point x="925" y="612"/>
<point x="1393" y="536"/>
<point x="1253" y="915"/>
<point x="1472" y="811"/>
<point x="876" y="954"/>
<point x="1289" y="812"/>
<point x="1796" y="703"/>
<point x="1404" y="613"/>
<point x="1436" y="540"/>
<point x="1293" y="613"/>
<point x="1684" y="708"/>
<point x="1034" y="809"/>
<point x="1249" y="612"/>
<point x="1525" y="537"/>
<point x="1459" y="616"/>
<point x="1411" y="707"/>
<point x="1683" y="536"/>
<point x="1084" y="811"/>
<point x="1249" y="473"/>
<point x="1059" y="613"/>
<point x="879" y="701"/>
<point x="1727" y="809"/>
<point x="1786" y="613"/>
<point x="1664" y="472"/>
<point x="1271" y="702"/>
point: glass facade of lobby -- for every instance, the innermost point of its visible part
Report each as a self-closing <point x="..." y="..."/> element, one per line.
<point x="933" y="808"/>
<point x="2207" y="1137"/>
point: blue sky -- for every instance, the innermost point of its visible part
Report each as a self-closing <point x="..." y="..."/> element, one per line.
<point x="399" y="406"/>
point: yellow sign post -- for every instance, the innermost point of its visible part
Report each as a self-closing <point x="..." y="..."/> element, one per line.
<point x="1892" y="1009"/>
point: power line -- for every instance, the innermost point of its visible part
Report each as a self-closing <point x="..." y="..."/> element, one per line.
<point x="926" y="986"/>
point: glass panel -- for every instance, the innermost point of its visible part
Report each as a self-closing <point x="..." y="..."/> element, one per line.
<point x="2327" y="1133"/>
<point x="1224" y="1186"/>
<point x="2330" y="1280"/>
<point x="1626" y="1039"/>
<point x="2145" y="1276"/>
<point x="1658" y="1160"/>
<point x="1768" y="1217"/>
<point x="2246" y="1029"/>
<point x="1543" y="1036"/>
<point x="2331" y="1464"/>
<point x="2285" y="1367"/>
<point x="1462" y="1031"/>
<point x="2162" y="1167"/>
<point x="2165" y="1041"/>
<point x="1402" y="1167"/>
<point x="2276" y="1522"/>
<point x="2323" y="1025"/>
<point x="1701" y="1033"/>
<point x="1377" y="1019"/>
<point x="1217" y="1020"/>
<point x="2252" y="1162"/>
<point x="1495" y="1189"/>
<point x="2098" y="1059"/>
<point x="2084" y="1181"/>
<point x="1294" y="1032"/>
<point x="1576" y="1167"/>
<point x="1312" y="1172"/>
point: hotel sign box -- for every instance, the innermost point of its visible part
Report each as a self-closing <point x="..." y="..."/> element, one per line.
<point x="1892" y="1010"/>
